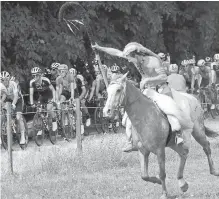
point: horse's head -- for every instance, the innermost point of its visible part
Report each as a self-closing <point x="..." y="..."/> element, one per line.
<point x="116" y="94"/>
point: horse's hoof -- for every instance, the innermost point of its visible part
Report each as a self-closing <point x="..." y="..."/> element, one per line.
<point x="185" y="187"/>
<point x="164" y="196"/>
<point x="215" y="173"/>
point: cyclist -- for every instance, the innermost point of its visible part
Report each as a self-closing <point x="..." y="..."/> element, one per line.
<point x="115" y="70"/>
<point x="46" y="93"/>
<point x="165" y="59"/>
<point x="80" y="91"/>
<point x="54" y="74"/>
<point x="64" y="84"/>
<point x="175" y="80"/>
<point x="14" y="96"/>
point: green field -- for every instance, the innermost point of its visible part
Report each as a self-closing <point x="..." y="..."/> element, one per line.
<point x="104" y="171"/>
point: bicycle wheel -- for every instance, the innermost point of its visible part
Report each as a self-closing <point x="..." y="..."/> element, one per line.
<point x="4" y="132"/>
<point x="52" y="134"/>
<point x="18" y="133"/>
<point x="39" y="130"/>
<point x="98" y="120"/>
<point x="67" y="127"/>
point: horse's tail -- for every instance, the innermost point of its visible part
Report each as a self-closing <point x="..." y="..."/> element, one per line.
<point x="211" y="133"/>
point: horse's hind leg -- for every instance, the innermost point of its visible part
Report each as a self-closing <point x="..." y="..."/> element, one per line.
<point x="200" y="137"/>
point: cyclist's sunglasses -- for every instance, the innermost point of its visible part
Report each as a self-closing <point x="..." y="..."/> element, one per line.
<point x="35" y="75"/>
<point x="63" y="71"/>
<point x="54" y="69"/>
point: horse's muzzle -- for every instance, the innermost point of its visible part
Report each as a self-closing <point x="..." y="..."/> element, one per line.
<point x="108" y="112"/>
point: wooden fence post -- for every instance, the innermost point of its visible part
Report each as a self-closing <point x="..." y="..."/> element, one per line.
<point x="78" y="125"/>
<point x="9" y="137"/>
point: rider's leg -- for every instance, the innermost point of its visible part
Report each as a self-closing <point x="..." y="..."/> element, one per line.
<point x="52" y="115"/>
<point x="19" y="118"/>
<point x="85" y="111"/>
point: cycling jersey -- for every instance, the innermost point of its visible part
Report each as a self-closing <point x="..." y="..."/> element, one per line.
<point x="65" y="81"/>
<point x="42" y="88"/>
<point x="52" y="79"/>
<point x="12" y="90"/>
<point x="78" y="87"/>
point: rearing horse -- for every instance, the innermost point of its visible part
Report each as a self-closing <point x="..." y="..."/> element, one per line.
<point x="153" y="131"/>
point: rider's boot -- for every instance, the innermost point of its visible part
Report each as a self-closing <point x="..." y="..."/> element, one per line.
<point x="179" y="138"/>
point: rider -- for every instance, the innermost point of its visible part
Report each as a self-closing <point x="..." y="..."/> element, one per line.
<point x="153" y="73"/>
<point x="175" y="80"/>
<point x="80" y="92"/>
<point x="46" y="93"/>
<point x="14" y="96"/>
<point x="54" y="73"/>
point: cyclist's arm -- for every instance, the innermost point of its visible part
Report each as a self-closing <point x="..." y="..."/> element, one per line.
<point x="92" y="90"/>
<point x="53" y="92"/>
<point x="83" y="92"/>
<point x="72" y="90"/>
<point x="97" y="86"/>
<point x="15" y="93"/>
<point x="58" y="89"/>
<point x="31" y="93"/>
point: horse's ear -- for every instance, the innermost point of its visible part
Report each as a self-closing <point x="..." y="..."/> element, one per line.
<point x="123" y="78"/>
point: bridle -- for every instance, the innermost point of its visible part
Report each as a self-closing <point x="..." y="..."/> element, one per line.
<point x="123" y="95"/>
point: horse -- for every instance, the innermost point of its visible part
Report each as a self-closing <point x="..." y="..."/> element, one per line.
<point x="154" y="132"/>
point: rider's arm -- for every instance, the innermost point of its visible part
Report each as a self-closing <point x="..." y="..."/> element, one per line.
<point x="160" y="78"/>
<point x="31" y="92"/>
<point x="53" y="92"/>
<point x="15" y="93"/>
<point x="92" y="90"/>
<point x="110" y="51"/>
<point x="97" y="86"/>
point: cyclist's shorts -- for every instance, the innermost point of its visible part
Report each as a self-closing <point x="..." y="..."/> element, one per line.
<point x="45" y="99"/>
<point x="66" y="94"/>
<point x="19" y="105"/>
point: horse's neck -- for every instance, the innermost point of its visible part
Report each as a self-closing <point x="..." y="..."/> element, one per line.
<point x="133" y="97"/>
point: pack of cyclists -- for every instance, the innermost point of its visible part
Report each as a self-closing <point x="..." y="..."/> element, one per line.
<point x="59" y="83"/>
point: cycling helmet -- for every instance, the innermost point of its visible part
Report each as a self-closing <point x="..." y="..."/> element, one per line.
<point x="173" y="68"/>
<point x="12" y="78"/>
<point x="73" y="71"/>
<point x="5" y="75"/>
<point x="63" y="67"/>
<point x="201" y="62"/>
<point x="216" y="57"/>
<point x="161" y="55"/>
<point x="36" y="70"/>
<point x="55" y="65"/>
<point x="208" y="59"/>
<point x="115" y="68"/>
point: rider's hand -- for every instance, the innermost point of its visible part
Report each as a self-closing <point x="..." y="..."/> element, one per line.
<point x="95" y="46"/>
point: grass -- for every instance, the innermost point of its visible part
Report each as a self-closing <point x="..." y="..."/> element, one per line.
<point x="102" y="172"/>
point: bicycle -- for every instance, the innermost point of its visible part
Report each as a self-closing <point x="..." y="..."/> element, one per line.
<point x="43" y="125"/>
<point x="68" y="121"/>
<point x="15" y="130"/>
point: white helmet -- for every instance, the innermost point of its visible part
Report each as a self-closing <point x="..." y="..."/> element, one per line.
<point x="216" y="57"/>
<point x="73" y="71"/>
<point x="208" y="59"/>
<point x="173" y="68"/>
<point x="201" y="62"/>
<point x="55" y="65"/>
<point x="36" y="70"/>
<point x="161" y="55"/>
<point x="115" y="68"/>
<point x="5" y="75"/>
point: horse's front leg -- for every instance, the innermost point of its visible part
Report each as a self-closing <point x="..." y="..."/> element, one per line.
<point x="162" y="174"/>
<point x="143" y="157"/>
